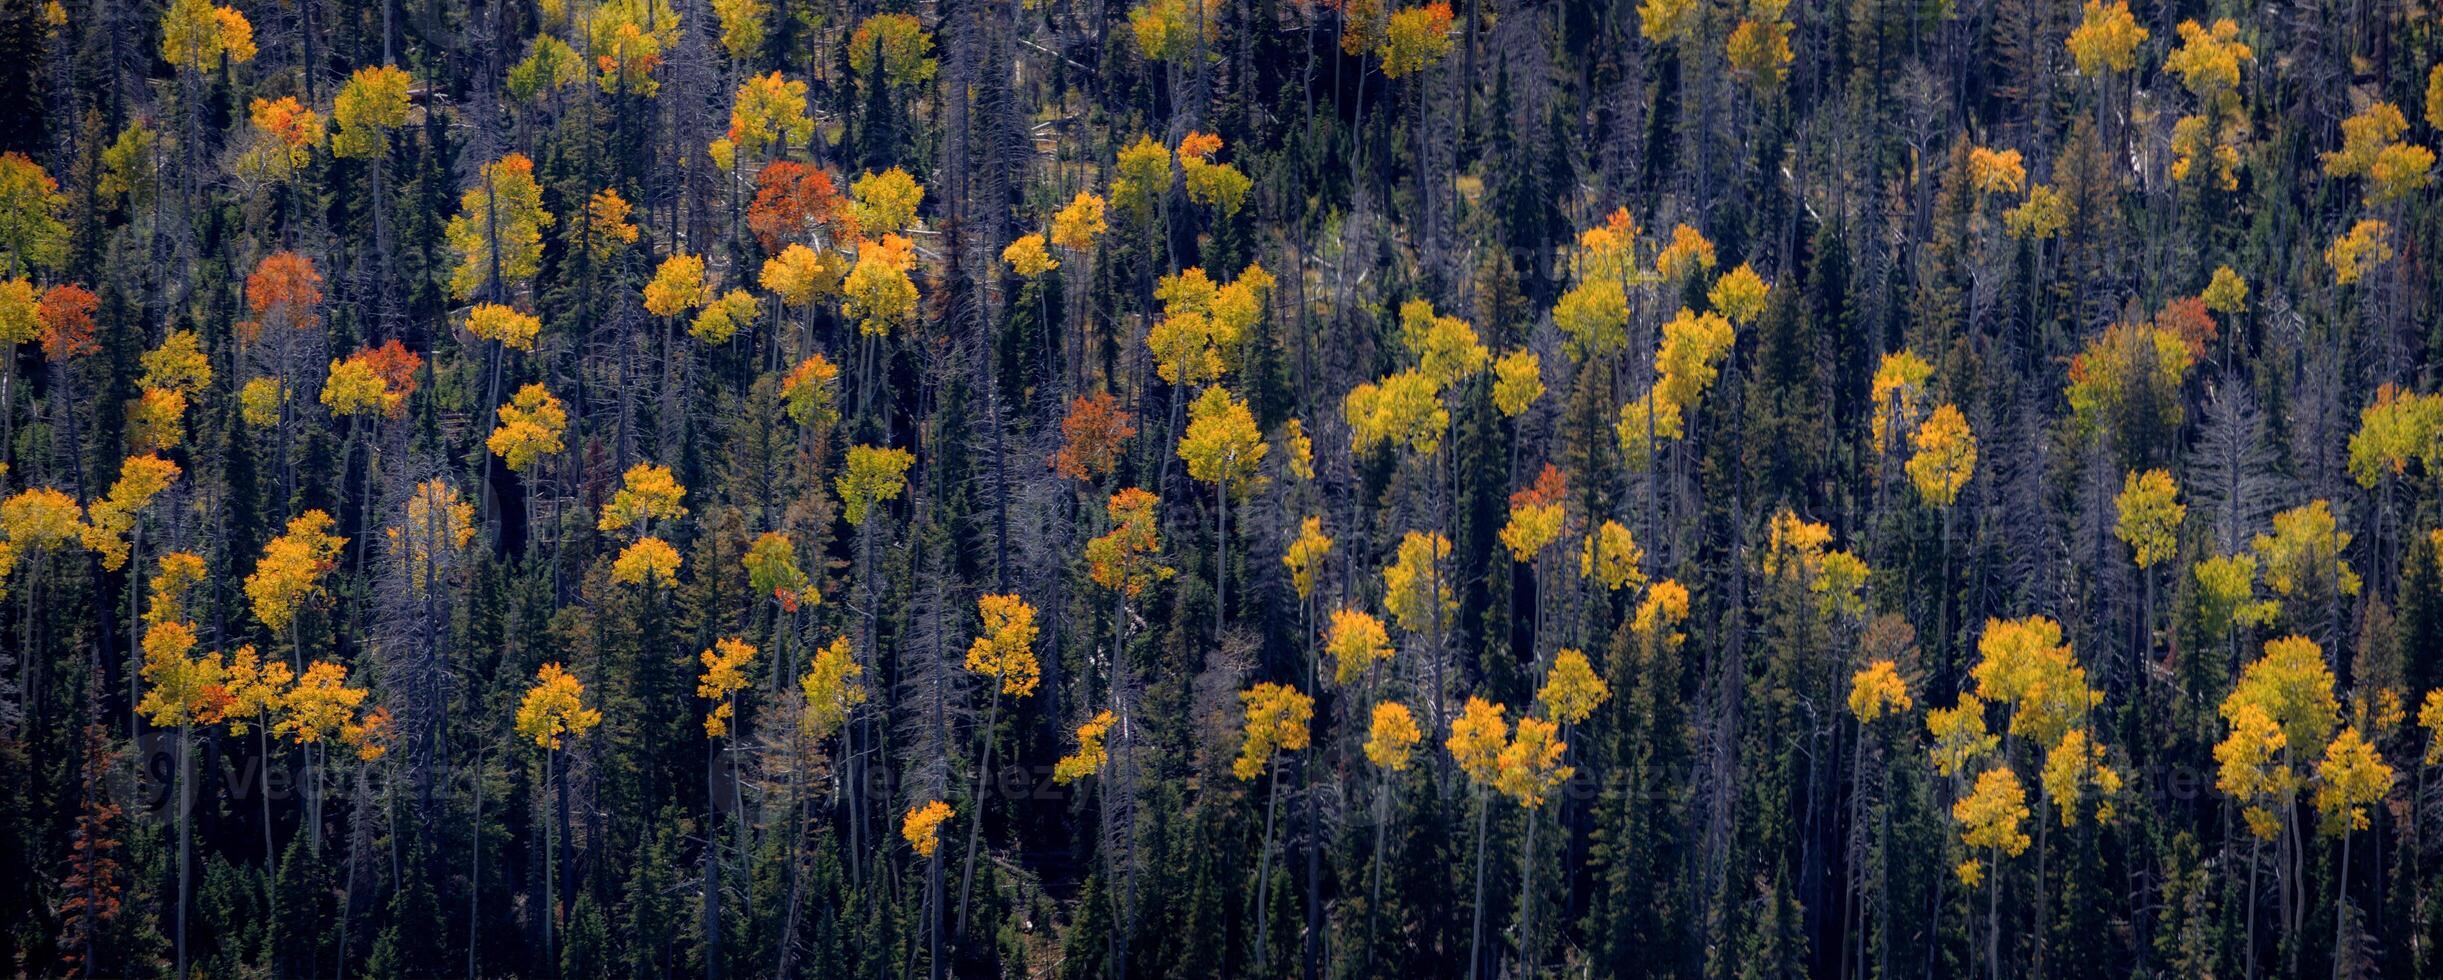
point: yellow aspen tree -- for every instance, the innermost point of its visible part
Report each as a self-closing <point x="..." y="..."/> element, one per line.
<point x="1220" y="186"/>
<point x="767" y="114"/>
<point x="497" y="235"/>
<point x="2366" y="245"/>
<point x="677" y="286"/>
<point x="2074" y="770"/>
<point x="895" y="45"/>
<point x="832" y="689"/>
<point x="2302" y="561"/>
<point x="742" y="26"/>
<point x="874" y="474"/>
<point x="1758" y="49"/>
<point x="1478" y="737"/>
<point x="1572" y="691"/>
<point x="196" y="35"/>
<point x="2351" y="776"/>
<point x="878" y="293"/>
<point x="114" y="523"/>
<point x="531" y="426"/>
<point x="1943" y="457"/>
<point x="2150" y="514"/>
<point x="647" y="561"/>
<point x="1611" y="557"/>
<point x="1079" y="223"/>
<point x="922" y="827"/>
<point x="554" y="710"/>
<point x="885" y="203"/>
<point x="772" y="570"/>
<point x="648" y="493"/>
<point x="1414" y="39"/>
<point x="722" y="317"/>
<point x="2371" y="148"/>
<point x="628" y="39"/>
<point x="1305" y="554"/>
<point x="2106" y="39"/>
<point x="1898" y="391"/>
<point x="504" y="325"/>
<point x="182" y="691"/>
<point x="1278" y="717"/>
<point x="725" y="664"/>
<point x="292" y="567"/>
<point x="1091" y="752"/>
<point x="1356" y="642"/>
<point x="1026" y="256"/>
<point x="1127" y="559"/>
<point x="1518" y="380"/>
<point x="1223" y="447"/>
<point x="811" y="392"/>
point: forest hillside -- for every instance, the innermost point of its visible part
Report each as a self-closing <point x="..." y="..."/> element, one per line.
<point x="1220" y="488"/>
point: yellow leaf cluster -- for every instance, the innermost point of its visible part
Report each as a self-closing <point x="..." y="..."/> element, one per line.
<point x="1415" y="590"/>
<point x="648" y="493"/>
<point x="2350" y="776"/>
<point x="677" y="286"/>
<point x="2074" y="767"/>
<point x="554" y="707"/>
<point x="1477" y="739"/>
<point x="1392" y="737"/>
<point x="2367" y="244"/>
<point x="1960" y="736"/>
<point x="292" y="568"/>
<point x="832" y="689"/>
<point x="649" y="560"/>
<point x="439" y="524"/>
<point x="875" y="474"/>
<point x="725" y="664"/>
<point x="1992" y="815"/>
<point x="2371" y="148"/>
<point x="196" y="35"/>
<point x="1357" y="641"/>
<point x="812" y="391"/>
<point x="923" y="827"/>
<point x="1277" y="719"/>
<point x="498" y="231"/>
<point x="178" y="365"/>
<point x="1027" y="256"/>
<point x="1403" y="409"/>
<point x="1090" y="754"/>
<point x="1878" y="690"/>
<point x="1006" y="651"/>
<point x="319" y="706"/>
<point x="1305" y="555"/>
<point x="903" y="44"/>
<point x="1571" y="691"/>
<point x="1661" y="613"/>
<point x="1943" y="457"/>
<point x="141" y="478"/>
<point x="877" y="292"/>
<point x="722" y="318"/>
<point x="504" y="325"/>
<point x="1222" y="445"/>
<point x="2024" y="664"/>
<point x="1127" y="558"/>
<point x="1518" y="380"/>
<point x="1076" y="226"/>
<point x="2305" y="550"/>
<point x="2106" y="39"/>
<point x="2150" y="515"/>
<point x="1529" y="768"/>
<point x="530" y="428"/>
